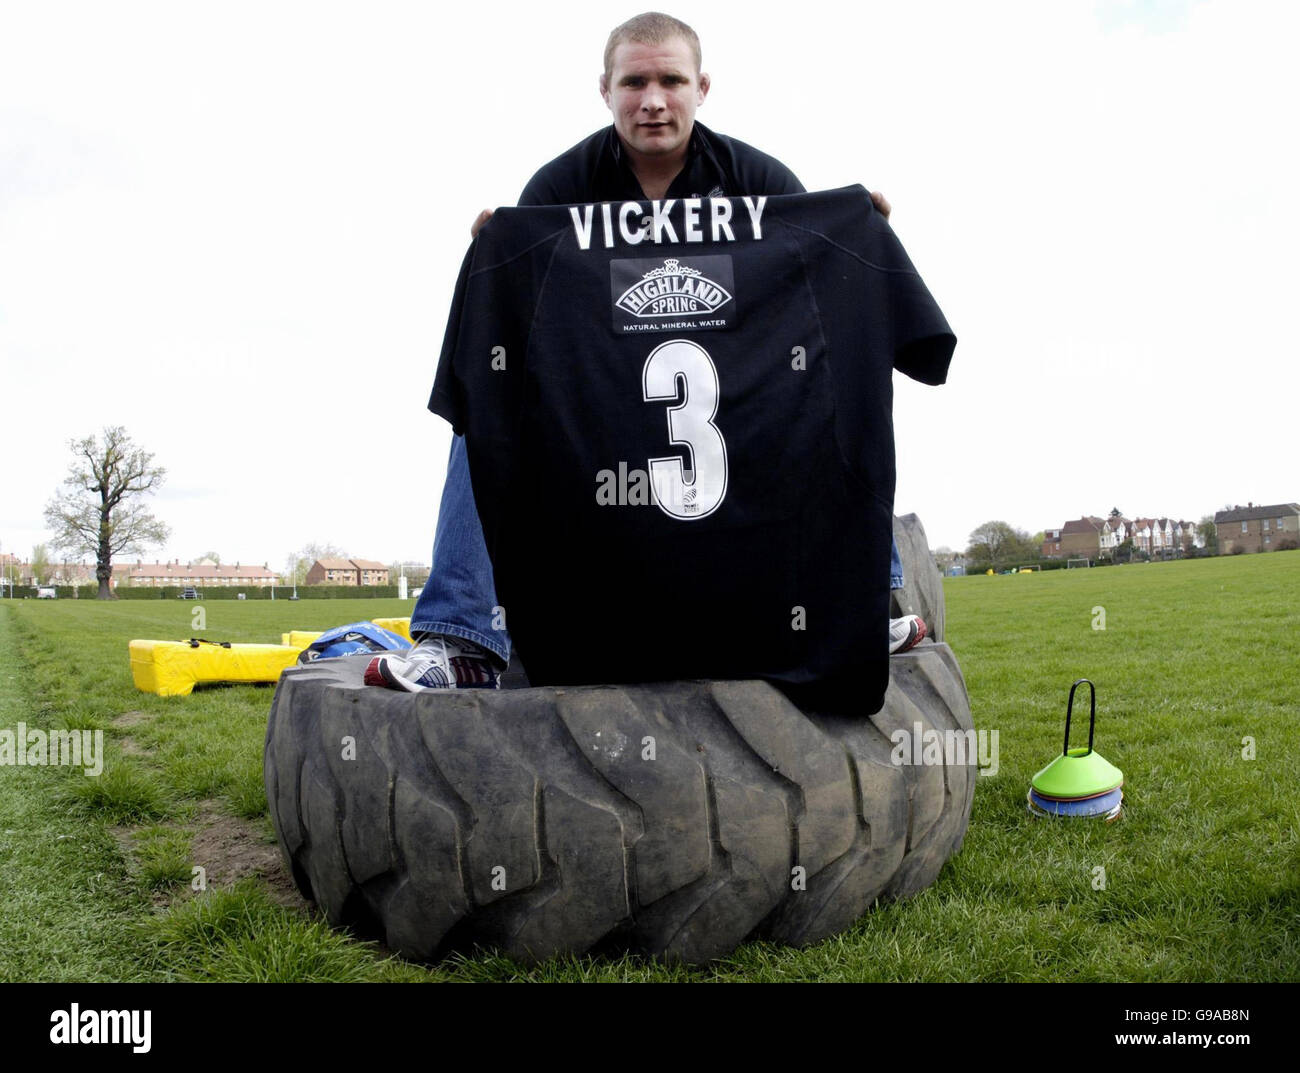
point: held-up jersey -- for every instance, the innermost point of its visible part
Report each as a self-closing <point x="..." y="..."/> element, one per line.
<point x="678" y="416"/>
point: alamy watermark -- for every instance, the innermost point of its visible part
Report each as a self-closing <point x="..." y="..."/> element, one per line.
<point x="673" y="487"/>
<point x="75" y="1025"/>
<point x="929" y="747"/>
<point x="28" y="747"/>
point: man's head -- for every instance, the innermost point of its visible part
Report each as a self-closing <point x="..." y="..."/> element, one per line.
<point x="652" y="83"/>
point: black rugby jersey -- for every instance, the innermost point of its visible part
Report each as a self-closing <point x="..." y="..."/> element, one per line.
<point x="678" y="417"/>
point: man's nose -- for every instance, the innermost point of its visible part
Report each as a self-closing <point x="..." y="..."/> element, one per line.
<point x="652" y="100"/>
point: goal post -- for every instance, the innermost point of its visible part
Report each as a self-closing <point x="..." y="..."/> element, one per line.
<point x="1075" y="564"/>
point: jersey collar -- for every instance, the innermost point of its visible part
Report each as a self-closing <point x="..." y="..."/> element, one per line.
<point x="699" y="170"/>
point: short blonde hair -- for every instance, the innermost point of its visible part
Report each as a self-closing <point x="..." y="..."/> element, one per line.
<point x="650" y="28"/>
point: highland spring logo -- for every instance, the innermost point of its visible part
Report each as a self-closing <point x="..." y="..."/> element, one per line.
<point x="673" y="289"/>
<point x="26" y="747"/>
<point x="667" y="294"/>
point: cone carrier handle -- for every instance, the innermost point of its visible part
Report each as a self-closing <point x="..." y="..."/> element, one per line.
<point x="1092" y="718"/>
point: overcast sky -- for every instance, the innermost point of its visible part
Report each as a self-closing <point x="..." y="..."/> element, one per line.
<point x="234" y="229"/>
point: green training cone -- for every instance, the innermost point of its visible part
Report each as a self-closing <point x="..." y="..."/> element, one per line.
<point x="1078" y="772"/>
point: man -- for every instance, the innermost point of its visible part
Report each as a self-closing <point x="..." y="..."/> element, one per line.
<point x="652" y="84"/>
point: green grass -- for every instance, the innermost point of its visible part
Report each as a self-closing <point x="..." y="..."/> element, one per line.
<point x="165" y="855"/>
<point x="239" y="935"/>
<point x="1200" y="880"/>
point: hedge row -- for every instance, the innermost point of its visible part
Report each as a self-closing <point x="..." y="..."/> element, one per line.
<point x="974" y="567"/>
<point x="172" y="592"/>
<point x="222" y="592"/>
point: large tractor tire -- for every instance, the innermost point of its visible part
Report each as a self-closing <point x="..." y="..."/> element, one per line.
<point x="675" y="819"/>
<point x="923" y="593"/>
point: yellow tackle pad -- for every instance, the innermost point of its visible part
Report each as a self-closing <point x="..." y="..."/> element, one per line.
<point x="174" y="668"/>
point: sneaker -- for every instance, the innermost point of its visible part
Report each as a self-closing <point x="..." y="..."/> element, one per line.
<point x="436" y="661"/>
<point x="905" y="633"/>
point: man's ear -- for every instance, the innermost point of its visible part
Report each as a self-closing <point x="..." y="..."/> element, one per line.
<point x="704" y="88"/>
<point x="604" y="90"/>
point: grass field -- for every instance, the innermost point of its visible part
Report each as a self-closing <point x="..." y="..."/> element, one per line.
<point x="1196" y="673"/>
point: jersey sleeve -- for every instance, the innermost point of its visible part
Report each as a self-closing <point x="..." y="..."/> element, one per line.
<point x="923" y="341"/>
<point x="877" y="316"/>
<point x="484" y="350"/>
<point x="484" y="347"/>
<point x="857" y="249"/>
<point x="448" y="397"/>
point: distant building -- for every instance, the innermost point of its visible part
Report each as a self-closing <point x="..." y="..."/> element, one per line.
<point x="1169" y="538"/>
<point x="332" y="572"/>
<point x="1090" y="537"/>
<point x="1253" y="528"/>
<point x="56" y="573"/>
<point x="347" y="572"/>
<point x="1116" y="530"/>
<point x="59" y="573"/>
<point x="199" y="575"/>
<point x="79" y="573"/>
<point x="1083" y="538"/>
<point x="371" y="572"/>
<point x="1146" y="535"/>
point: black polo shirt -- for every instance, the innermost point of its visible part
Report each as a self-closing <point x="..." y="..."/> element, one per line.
<point x="596" y="169"/>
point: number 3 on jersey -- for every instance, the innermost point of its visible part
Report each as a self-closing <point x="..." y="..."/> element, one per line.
<point x="690" y="425"/>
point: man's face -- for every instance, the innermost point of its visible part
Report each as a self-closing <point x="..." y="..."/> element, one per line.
<point x="653" y="91"/>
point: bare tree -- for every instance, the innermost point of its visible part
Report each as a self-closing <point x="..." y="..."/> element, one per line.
<point x="99" y="510"/>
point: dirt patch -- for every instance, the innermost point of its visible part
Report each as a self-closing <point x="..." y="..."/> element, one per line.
<point x="130" y="719"/>
<point x="227" y="849"/>
<point x="230" y="849"/>
<point x="130" y="747"/>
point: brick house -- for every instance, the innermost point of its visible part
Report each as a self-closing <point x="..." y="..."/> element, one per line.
<point x="332" y="572"/>
<point x="347" y="572"/>
<point x="1082" y="538"/>
<point x="1253" y="528"/>
<point x="372" y="573"/>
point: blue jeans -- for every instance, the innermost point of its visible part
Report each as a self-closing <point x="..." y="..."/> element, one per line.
<point x="460" y="596"/>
